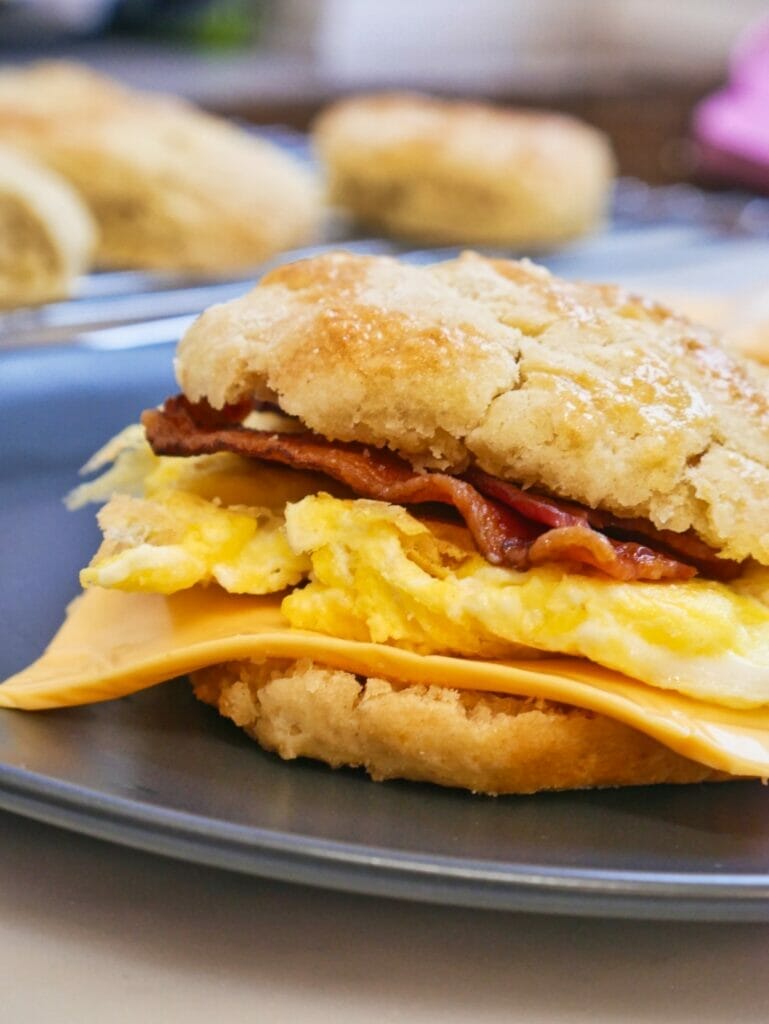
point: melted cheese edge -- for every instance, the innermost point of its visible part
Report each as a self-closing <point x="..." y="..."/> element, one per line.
<point x="114" y="643"/>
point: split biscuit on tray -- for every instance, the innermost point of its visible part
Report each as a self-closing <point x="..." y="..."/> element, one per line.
<point x="170" y="186"/>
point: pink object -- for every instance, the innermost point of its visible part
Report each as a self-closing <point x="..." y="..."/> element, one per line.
<point x="732" y="125"/>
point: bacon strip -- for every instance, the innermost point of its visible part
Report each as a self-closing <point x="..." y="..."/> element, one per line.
<point x="501" y="534"/>
<point x="509" y="526"/>
<point x="556" y="513"/>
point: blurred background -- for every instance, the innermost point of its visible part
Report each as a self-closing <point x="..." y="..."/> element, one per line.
<point x="635" y="68"/>
<point x="680" y="88"/>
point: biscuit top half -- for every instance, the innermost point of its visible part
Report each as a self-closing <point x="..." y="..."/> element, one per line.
<point x="584" y="391"/>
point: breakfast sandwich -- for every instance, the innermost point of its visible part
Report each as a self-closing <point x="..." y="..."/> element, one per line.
<point x="464" y="523"/>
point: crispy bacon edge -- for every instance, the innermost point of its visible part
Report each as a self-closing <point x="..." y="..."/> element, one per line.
<point x="510" y="526"/>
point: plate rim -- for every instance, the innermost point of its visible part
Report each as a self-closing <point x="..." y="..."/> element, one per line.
<point x="382" y="871"/>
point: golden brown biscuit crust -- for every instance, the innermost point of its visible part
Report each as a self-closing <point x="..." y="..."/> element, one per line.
<point x="582" y="390"/>
<point x="439" y="171"/>
<point x="482" y="742"/>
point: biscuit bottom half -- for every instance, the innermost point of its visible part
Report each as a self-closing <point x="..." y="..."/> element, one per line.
<point x="483" y="742"/>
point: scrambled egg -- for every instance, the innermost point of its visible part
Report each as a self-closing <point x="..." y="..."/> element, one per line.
<point x="379" y="574"/>
<point x="172" y="523"/>
<point x="374" y="572"/>
<point x="176" y="540"/>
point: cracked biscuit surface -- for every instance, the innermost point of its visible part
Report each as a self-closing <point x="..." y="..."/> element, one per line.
<point x="582" y="390"/>
<point x="479" y="741"/>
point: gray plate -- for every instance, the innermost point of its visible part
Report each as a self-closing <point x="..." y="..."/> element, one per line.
<point x="161" y="772"/>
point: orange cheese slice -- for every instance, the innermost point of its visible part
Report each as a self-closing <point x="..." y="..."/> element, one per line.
<point x="114" y="643"/>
